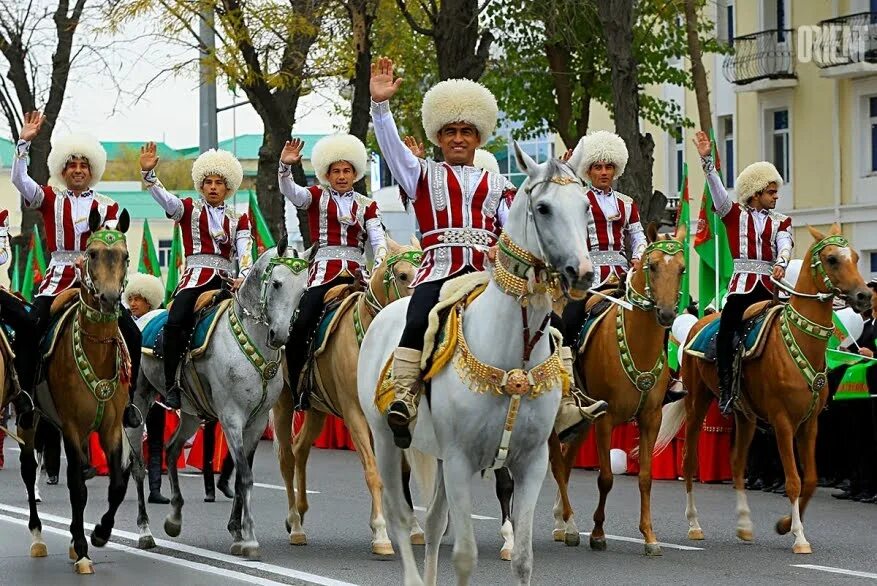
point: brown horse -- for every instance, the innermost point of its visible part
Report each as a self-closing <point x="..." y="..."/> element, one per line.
<point x="336" y="369"/>
<point x="624" y="363"/>
<point x="87" y="389"/>
<point x="787" y="393"/>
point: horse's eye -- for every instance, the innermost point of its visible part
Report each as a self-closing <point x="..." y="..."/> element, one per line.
<point x="92" y="255"/>
<point x="403" y="277"/>
<point x="543" y="209"/>
<point x="682" y="270"/>
<point x="275" y="284"/>
<point x="653" y="266"/>
<point x="832" y="260"/>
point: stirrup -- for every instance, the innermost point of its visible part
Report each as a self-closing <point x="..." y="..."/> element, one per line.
<point x="132" y="417"/>
<point x="172" y="397"/>
<point x="590" y="408"/>
<point x="400" y="414"/>
<point x="23" y="403"/>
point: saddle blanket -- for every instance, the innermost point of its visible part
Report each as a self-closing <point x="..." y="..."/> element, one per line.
<point x="704" y="343"/>
<point x="153" y="338"/>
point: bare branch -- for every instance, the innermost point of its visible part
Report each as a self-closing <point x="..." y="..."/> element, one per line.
<point x="413" y="23"/>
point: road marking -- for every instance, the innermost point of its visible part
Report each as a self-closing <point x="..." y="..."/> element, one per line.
<point x="640" y="540"/>
<point x="245" y="578"/>
<point x="836" y="571"/>
<point x="476" y="517"/>
<point x="192" y="550"/>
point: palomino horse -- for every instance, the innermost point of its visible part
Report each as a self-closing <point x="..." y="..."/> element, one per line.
<point x="86" y="389"/>
<point x="388" y="282"/>
<point x="508" y="419"/>
<point x="784" y="386"/>
<point x="624" y="363"/>
<point x="235" y="381"/>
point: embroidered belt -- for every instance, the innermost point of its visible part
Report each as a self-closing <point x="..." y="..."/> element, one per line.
<point x="65" y="257"/>
<point x="759" y="267"/>
<point x="350" y="253"/>
<point x="602" y="258"/>
<point x="469" y="237"/>
<point x="209" y="261"/>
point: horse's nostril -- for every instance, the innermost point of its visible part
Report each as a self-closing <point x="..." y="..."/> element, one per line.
<point x="571" y="272"/>
<point x="589" y="276"/>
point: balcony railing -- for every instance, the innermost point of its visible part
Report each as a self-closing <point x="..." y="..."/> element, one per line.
<point x="764" y="55"/>
<point x="846" y="40"/>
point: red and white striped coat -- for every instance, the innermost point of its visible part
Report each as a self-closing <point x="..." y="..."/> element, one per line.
<point x="65" y="216"/>
<point x="612" y="215"/>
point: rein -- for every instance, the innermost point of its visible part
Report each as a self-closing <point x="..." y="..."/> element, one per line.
<point x="390" y="282"/>
<point x="818" y="269"/>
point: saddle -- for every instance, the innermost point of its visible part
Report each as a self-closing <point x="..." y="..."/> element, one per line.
<point x="64" y="300"/>
<point x="206" y="319"/>
<point x="596" y="307"/>
<point x="757" y="320"/>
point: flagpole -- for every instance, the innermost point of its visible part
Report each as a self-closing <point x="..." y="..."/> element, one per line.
<point x="715" y="230"/>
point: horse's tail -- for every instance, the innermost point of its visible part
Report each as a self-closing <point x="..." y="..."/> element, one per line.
<point x="673" y="419"/>
<point x="423" y="467"/>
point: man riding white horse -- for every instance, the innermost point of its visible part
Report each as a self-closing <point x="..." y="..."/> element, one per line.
<point x="211" y="244"/>
<point x="761" y="244"/>
<point x="339" y="220"/>
<point x="76" y="164"/>
<point x="460" y="210"/>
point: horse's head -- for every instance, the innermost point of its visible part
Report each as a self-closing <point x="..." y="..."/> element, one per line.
<point x="831" y="265"/>
<point x="549" y="220"/>
<point x="273" y="289"/>
<point x="105" y="262"/>
<point x="663" y="264"/>
<point x="390" y="280"/>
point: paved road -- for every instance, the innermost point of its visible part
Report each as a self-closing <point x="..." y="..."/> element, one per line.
<point x="844" y="537"/>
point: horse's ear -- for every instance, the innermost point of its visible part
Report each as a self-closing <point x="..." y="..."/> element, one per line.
<point x="681" y="232"/>
<point x="816" y="234"/>
<point x="525" y="161"/>
<point x="295" y="253"/>
<point x="652" y="232"/>
<point x="391" y="244"/>
<point x="94" y="220"/>
<point x="281" y="246"/>
<point x="835" y="230"/>
<point x="414" y="242"/>
<point x="124" y="222"/>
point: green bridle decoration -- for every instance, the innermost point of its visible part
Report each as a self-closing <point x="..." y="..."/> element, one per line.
<point x="107" y="236"/>
<point x="644" y="300"/>
<point x="294" y="264"/>
<point x="816" y="259"/>
<point x="391" y="284"/>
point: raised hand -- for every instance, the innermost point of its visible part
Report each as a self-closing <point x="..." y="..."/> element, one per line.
<point x="382" y="84"/>
<point x="291" y="152"/>
<point x="33" y="121"/>
<point x="702" y="142"/>
<point x="415" y="147"/>
<point x="567" y="155"/>
<point x="148" y="156"/>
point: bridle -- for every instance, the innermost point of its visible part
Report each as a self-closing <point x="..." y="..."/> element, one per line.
<point x="109" y="238"/>
<point x="294" y="264"/>
<point x="646" y="301"/>
<point x="390" y="282"/>
<point x="819" y="272"/>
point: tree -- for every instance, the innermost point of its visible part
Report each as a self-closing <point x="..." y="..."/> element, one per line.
<point x="176" y="174"/>
<point x="698" y="73"/>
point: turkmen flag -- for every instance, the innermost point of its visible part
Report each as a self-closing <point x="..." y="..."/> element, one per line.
<point x="148" y="256"/>
<point x="262" y="239"/>
<point x="15" y="284"/>
<point x="174" y="265"/>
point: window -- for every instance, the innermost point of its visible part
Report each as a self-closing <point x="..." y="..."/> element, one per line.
<point x="726" y="149"/>
<point x="872" y="119"/>
<point x="779" y="142"/>
<point x="679" y="147"/>
<point x="540" y="148"/>
<point x="725" y="21"/>
<point x="781" y="20"/>
<point x="873" y="256"/>
<point x="164" y="252"/>
<point x="775" y="17"/>
<point x="729" y="21"/>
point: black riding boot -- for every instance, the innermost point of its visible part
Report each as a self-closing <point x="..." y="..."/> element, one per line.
<point x="175" y="345"/>
<point x="725" y="367"/>
<point x="154" y="470"/>
<point x="296" y="357"/>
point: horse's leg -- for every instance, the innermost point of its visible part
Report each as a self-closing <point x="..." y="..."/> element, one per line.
<point x="78" y="498"/>
<point x="529" y="473"/>
<point x="458" y="474"/>
<point x="359" y="433"/>
<point x="27" y="460"/>
<point x="505" y="488"/>
<point x="417" y="536"/>
<point x="649" y="423"/>
<point x="119" y="475"/>
<point x="138" y="466"/>
<point x="603" y="429"/>
<point x="564" y="516"/>
<point x="436" y="525"/>
<point x="242" y="446"/>
<point x="696" y="404"/>
<point x="283" y="413"/>
<point x="173" y="522"/>
<point x="301" y="450"/>
<point x="806" y="436"/>
<point x="745" y="431"/>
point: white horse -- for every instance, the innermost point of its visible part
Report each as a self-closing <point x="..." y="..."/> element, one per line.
<point x="240" y="380"/>
<point x="547" y="224"/>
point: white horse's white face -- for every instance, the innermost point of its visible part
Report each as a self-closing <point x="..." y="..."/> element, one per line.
<point x="280" y="288"/>
<point x="549" y="217"/>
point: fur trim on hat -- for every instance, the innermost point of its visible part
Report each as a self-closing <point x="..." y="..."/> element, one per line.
<point x="485" y="160"/>
<point x="338" y="147"/>
<point x="754" y="178"/>
<point x="459" y="100"/>
<point x="79" y="145"/>
<point x="218" y="162"/>
<point x="146" y="286"/>
<point x="603" y="146"/>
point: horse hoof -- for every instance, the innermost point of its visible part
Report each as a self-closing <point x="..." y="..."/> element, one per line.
<point x="146" y="542"/>
<point x="505" y="555"/>
<point x="559" y="534"/>
<point x="695" y="534"/>
<point x="288" y="526"/>
<point x="653" y="549"/>
<point x="745" y="535"/>
<point x="173" y="528"/>
<point x="251" y="552"/>
<point x="236" y="549"/>
<point x="38" y="550"/>
<point x="784" y="525"/>
<point x="83" y="566"/>
<point x="598" y="543"/>
<point x="802" y="548"/>
<point x="418" y="539"/>
<point x="72" y="553"/>
<point x="298" y="539"/>
<point x="382" y="548"/>
<point x="572" y="539"/>
<point x="98" y="539"/>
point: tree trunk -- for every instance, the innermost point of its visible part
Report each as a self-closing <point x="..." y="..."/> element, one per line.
<point x="362" y="15"/>
<point x="698" y="72"/>
<point x="617" y="18"/>
<point x="568" y="127"/>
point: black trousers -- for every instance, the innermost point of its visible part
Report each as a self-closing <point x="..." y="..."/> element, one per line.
<point x="574" y="315"/>
<point x="182" y="311"/>
<point x="47" y="441"/>
<point x="24" y="323"/>
<point x="155" y="419"/>
<point x="732" y="321"/>
<point x="425" y="297"/>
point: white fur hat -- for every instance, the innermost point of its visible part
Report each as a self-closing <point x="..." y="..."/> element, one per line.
<point x="485" y="160"/>
<point x="78" y="145"/>
<point x="754" y="178"/>
<point x="459" y="100"/>
<point x="146" y="286"/>
<point x="603" y="146"/>
<point x="218" y="162"/>
<point x="338" y="147"/>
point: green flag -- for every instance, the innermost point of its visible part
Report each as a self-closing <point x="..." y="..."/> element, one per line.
<point x="174" y="265"/>
<point x="262" y="239"/>
<point x="39" y="256"/>
<point x="148" y="257"/>
<point x="15" y="281"/>
<point x="711" y="244"/>
<point x="28" y="283"/>
<point x="682" y="219"/>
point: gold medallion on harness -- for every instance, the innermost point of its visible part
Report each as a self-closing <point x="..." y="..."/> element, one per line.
<point x="105" y="389"/>
<point x="646" y="381"/>
<point x="517" y="382"/>
<point x="270" y="371"/>
<point x="819" y="382"/>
